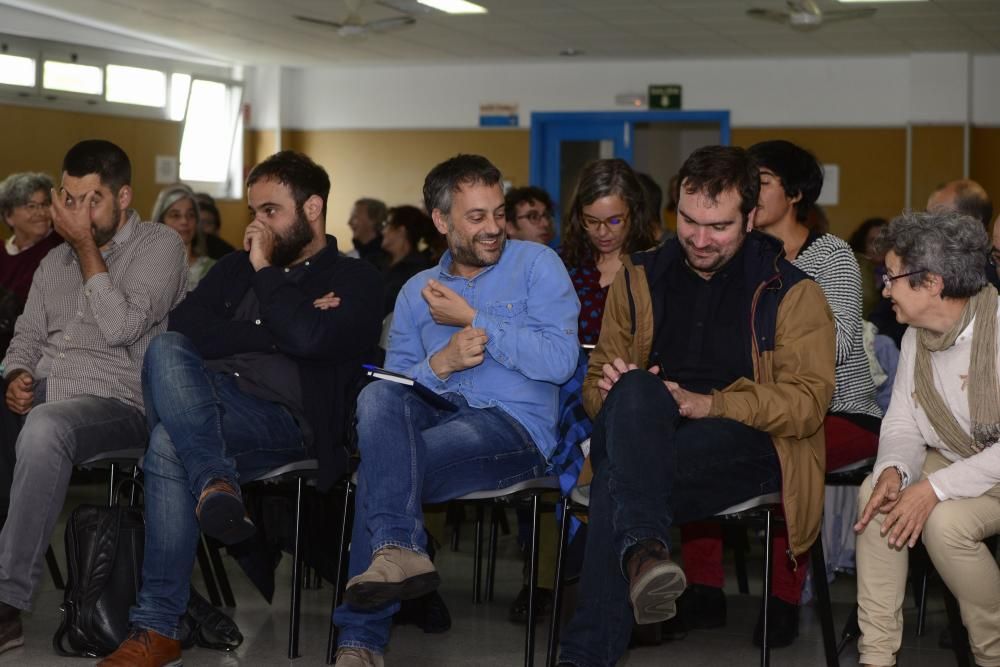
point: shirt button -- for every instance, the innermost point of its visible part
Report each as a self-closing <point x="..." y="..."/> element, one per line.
<point x="468" y="284"/>
<point x="287" y="269"/>
<point x="236" y="374"/>
<point x="79" y="313"/>
<point x="62" y="356"/>
<point x="257" y="322"/>
<point x="510" y="306"/>
<point x="66" y="337"/>
<point x="307" y="263"/>
<point x="87" y="292"/>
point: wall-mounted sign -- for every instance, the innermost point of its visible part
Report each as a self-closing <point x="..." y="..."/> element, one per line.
<point x="498" y="115"/>
<point x="665" y="96"/>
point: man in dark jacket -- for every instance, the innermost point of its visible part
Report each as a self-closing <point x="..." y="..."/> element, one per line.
<point x="255" y="373"/>
<point x="740" y="350"/>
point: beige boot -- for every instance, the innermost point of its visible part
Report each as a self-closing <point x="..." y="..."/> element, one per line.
<point x="350" y="656"/>
<point x="395" y="574"/>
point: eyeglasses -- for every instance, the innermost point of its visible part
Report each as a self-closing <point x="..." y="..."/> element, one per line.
<point x="611" y="222"/>
<point x="35" y="207"/>
<point x="535" y="217"/>
<point x="887" y="279"/>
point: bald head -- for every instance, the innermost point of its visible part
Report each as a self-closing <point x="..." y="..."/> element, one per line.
<point x="966" y="197"/>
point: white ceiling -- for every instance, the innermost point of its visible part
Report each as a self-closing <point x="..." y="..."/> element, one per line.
<point x="264" y="31"/>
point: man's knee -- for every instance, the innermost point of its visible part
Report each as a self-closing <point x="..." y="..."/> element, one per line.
<point x="47" y="433"/>
<point x="379" y="398"/>
<point x="636" y="390"/>
<point x="164" y="350"/>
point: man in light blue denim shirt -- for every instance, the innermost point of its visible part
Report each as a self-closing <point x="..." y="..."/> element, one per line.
<point x="493" y="329"/>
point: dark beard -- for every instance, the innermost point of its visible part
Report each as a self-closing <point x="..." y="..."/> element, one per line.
<point x="466" y="253"/>
<point x="287" y="248"/>
<point x="103" y="236"/>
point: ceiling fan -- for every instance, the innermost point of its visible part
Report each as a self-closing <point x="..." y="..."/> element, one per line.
<point x="807" y="15"/>
<point x="354" y="26"/>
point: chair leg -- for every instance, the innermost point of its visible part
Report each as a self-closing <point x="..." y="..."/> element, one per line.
<point x="959" y="635"/>
<point x="57" y="578"/>
<point x="294" y="614"/>
<point x="491" y="557"/>
<point x="823" y="602"/>
<point x="455" y="515"/>
<point x="765" y="646"/>
<point x="923" y="572"/>
<point x="529" y="635"/>
<point x="850" y="632"/>
<point x="553" y="643"/>
<point x="477" y="557"/>
<point x="740" y="548"/>
<point x="340" y="575"/>
<point x="206" y="573"/>
<point x="219" y="568"/>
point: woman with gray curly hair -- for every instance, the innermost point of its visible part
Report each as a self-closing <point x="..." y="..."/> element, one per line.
<point x="24" y="207"/>
<point x="177" y="207"/>
<point x="937" y="476"/>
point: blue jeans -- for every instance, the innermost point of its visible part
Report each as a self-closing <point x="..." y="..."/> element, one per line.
<point x="412" y="453"/>
<point x="652" y="469"/>
<point x="202" y="427"/>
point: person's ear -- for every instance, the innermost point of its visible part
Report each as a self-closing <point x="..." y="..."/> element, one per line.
<point x="124" y="197"/>
<point x="751" y="217"/>
<point x="313" y="208"/>
<point x="440" y="221"/>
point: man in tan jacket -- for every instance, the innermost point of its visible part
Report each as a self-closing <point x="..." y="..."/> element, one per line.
<point x="709" y="384"/>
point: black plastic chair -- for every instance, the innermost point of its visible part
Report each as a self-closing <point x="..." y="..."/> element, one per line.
<point x="527" y="491"/>
<point x="299" y="472"/>
<point x="766" y="509"/>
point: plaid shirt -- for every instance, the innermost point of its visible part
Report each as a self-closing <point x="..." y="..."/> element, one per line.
<point x="89" y="338"/>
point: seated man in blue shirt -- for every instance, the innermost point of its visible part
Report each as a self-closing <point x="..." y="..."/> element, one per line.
<point x="256" y="372"/>
<point x="492" y="328"/>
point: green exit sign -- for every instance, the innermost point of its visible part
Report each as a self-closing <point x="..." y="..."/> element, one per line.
<point x="665" y="96"/>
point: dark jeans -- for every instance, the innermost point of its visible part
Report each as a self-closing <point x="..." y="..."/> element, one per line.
<point x="652" y="469"/>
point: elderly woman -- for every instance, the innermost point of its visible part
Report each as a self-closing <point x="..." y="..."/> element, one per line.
<point x="938" y="467"/>
<point x="24" y="206"/>
<point x="177" y="208"/>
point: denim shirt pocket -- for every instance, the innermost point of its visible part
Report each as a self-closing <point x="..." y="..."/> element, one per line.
<point x="510" y="309"/>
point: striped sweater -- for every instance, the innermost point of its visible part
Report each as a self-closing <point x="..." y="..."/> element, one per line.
<point x="830" y="262"/>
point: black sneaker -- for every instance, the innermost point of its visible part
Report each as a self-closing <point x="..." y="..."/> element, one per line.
<point x="11" y="633"/>
<point x="783" y="626"/>
<point x="699" y="608"/>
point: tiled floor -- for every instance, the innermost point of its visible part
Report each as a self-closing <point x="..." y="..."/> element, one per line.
<point x="480" y="634"/>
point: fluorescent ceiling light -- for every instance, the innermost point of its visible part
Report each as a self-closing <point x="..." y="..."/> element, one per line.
<point x="454" y="6"/>
<point x="871" y="2"/>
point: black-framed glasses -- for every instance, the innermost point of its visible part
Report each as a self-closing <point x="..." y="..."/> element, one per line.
<point x="535" y="217"/>
<point x="611" y="222"/>
<point x="887" y="279"/>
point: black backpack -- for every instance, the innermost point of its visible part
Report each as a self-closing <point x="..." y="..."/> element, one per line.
<point x="104" y="550"/>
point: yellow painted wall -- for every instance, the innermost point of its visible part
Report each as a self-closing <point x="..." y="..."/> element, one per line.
<point x="937" y="159"/>
<point x="37" y="140"/>
<point x="391" y="164"/>
<point x="872" y="165"/>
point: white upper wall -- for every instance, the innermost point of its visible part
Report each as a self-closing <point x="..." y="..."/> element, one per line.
<point x="760" y="92"/>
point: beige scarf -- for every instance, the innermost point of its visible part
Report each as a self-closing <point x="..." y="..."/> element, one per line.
<point x="984" y="388"/>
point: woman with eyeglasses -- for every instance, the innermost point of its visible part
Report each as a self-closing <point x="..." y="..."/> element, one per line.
<point x="25" y="199"/>
<point x="177" y="208"/>
<point x="607" y="218"/>
<point x="937" y="476"/>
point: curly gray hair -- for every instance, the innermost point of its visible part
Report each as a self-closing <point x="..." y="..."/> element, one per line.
<point x="950" y="244"/>
<point x="16" y="190"/>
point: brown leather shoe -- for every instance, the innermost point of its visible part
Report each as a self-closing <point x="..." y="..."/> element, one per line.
<point x="654" y="582"/>
<point x="145" y="648"/>
<point x="395" y="574"/>
<point x="222" y="514"/>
